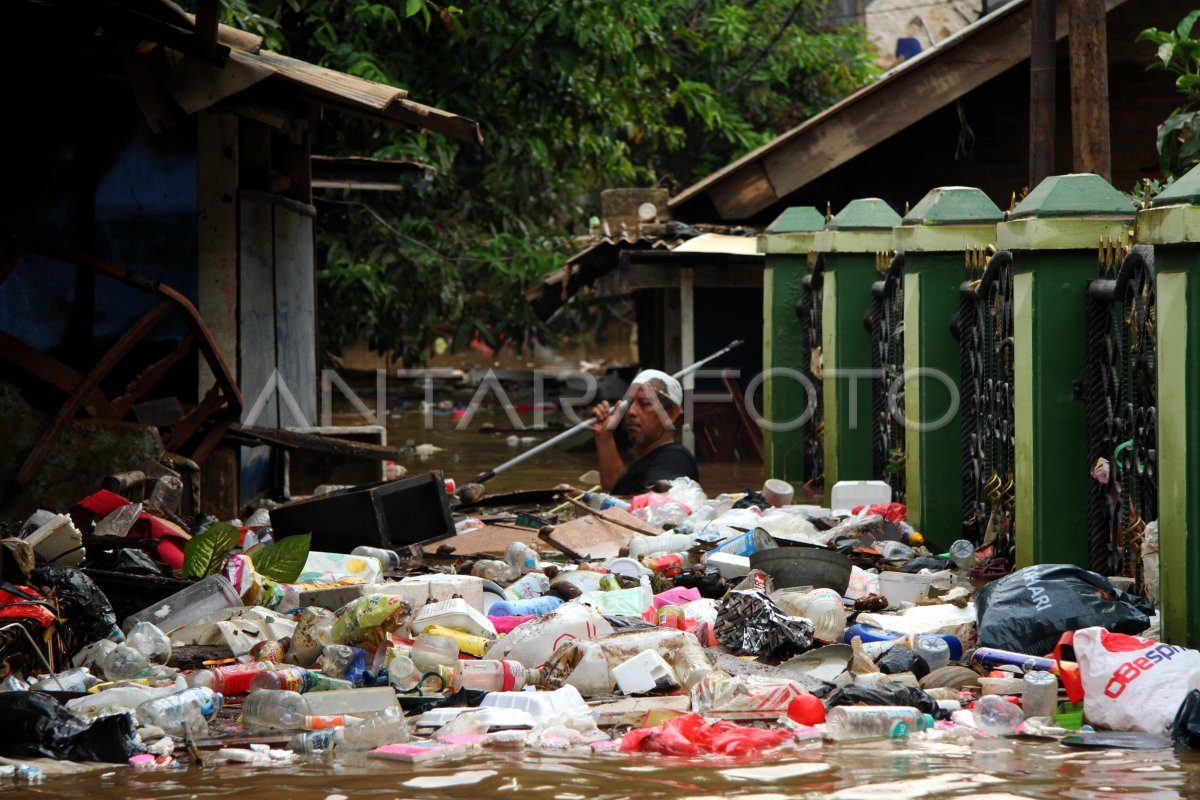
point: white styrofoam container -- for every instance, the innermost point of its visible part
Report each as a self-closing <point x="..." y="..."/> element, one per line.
<point x="455" y="613"/>
<point x="729" y="565"/>
<point x="493" y="717"/>
<point x="643" y="673"/>
<point x="59" y="542"/>
<point x="848" y="494"/>
<point x="542" y="705"/>
<point x="901" y="587"/>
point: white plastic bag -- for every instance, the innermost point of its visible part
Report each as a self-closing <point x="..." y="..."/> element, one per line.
<point x="1128" y="683"/>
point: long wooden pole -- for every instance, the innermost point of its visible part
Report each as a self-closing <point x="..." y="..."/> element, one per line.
<point x="1090" y="146"/>
<point x="1041" y="92"/>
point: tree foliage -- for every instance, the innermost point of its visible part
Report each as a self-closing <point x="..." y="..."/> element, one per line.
<point x="575" y="96"/>
<point x="1179" y="135"/>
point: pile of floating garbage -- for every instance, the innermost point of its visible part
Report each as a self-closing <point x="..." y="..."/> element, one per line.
<point x="723" y="625"/>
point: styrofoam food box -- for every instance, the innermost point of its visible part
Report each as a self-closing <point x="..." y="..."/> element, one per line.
<point x="542" y="705"/>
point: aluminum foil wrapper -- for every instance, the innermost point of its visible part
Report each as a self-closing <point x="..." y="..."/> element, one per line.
<point x="749" y="623"/>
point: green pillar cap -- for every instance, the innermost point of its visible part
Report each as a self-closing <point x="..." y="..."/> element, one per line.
<point x="1185" y="191"/>
<point x="1077" y="195"/>
<point x="798" y="219"/>
<point x="866" y="213"/>
<point x="954" y="205"/>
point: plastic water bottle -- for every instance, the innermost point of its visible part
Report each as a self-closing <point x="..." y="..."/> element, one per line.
<point x="533" y="606"/>
<point x="230" y="680"/>
<point x="291" y="679"/>
<point x="431" y="650"/>
<point x="996" y="716"/>
<point x="600" y="501"/>
<point x="315" y="743"/>
<point x="521" y="557"/>
<point x="388" y="559"/>
<point x="1040" y="698"/>
<point x="150" y="642"/>
<point x="934" y="650"/>
<point x="962" y="553"/>
<point x="494" y="676"/>
<point x="534" y="584"/>
<point x="847" y="723"/>
<point x="283" y="710"/>
<point x="176" y="714"/>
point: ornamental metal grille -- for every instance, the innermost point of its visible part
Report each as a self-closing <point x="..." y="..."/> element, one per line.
<point x="885" y="321"/>
<point x="1122" y="412"/>
<point x="809" y="311"/>
<point x="984" y="326"/>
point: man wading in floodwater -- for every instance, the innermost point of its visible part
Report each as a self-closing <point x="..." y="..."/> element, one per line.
<point x="654" y="408"/>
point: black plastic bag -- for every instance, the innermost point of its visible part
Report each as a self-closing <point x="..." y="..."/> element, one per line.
<point x="1185" y="731"/>
<point x="89" y="614"/>
<point x="37" y="726"/>
<point x="900" y="659"/>
<point x="887" y="694"/>
<point x="1030" y="609"/>
<point x="931" y="563"/>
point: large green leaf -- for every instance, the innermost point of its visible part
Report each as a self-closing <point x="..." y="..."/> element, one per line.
<point x="205" y="553"/>
<point x="284" y="560"/>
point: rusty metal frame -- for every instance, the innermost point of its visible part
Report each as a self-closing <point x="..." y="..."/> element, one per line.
<point x="221" y="406"/>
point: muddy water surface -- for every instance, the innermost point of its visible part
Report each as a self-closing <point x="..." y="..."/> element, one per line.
<point x="988" y="770"/>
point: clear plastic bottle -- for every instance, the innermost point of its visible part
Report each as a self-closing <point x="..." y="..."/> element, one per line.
<point x="79" y="679"/>
<point x="933" y="649"/>
<point x="291" y="679"/>
<point x="535" y="584"/>
<point x="667" y="564"/>
<point x="492" y="570"/>
<point x="1040" y="698"/>
<point x="431" y="650"/>
<point x="386" y="727"/>
<point x="494" y="676"/>
<point x="314" y="628"/>
<point x="315" y="743"/>
<point x="403" y="674"/>
<point x="123" y="663"/>
<point x="388" y="559"/>
<point x="521" y="557"/>
<point x="230" y="680"/>
<point x="179" y="713"/>
<point x="148" y="640"/>
<point x="336" y="659"/>
<point x="691" y="664"/>
<point x="962" y="553"/>
<point x="823" y="606"/>
<point x="996" y="716"/>
<point x="283" y="710"/>
<point x="599" y="501"/>
<point x="847" y="723"/>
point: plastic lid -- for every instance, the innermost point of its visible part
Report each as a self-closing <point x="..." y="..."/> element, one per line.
<point x="928" y="721"/>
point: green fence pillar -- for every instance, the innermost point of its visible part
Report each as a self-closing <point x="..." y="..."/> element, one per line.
<point x="849" y="245"/>
<point x="934" y="237"/>
<point x="786" y="244"/>
<point x="1172" y="225"/>
<point x="1053" y="235"/>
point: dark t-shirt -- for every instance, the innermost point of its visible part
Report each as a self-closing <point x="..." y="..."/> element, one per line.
<point x="661" y="463"/>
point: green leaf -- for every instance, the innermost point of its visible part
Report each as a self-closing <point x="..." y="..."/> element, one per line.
<point x="412" y="7"/>
<point x="1184" y="29"/>
<point x="284" y="560"/>
<point x="205" y="553"/>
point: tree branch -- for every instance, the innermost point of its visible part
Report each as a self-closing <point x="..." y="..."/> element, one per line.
<point x="766" y="51"/>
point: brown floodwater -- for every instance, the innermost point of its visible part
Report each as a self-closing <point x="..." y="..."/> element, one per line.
<point x="892" y="770"/>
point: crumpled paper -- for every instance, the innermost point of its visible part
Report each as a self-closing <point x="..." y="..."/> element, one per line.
<point x="749" y="622"/>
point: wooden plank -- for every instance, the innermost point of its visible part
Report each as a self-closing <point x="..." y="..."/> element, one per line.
<point x="256" y="332"/>
<point x="1089" y="88"/>
<point x="295" y="315"/>
<point x="490" y="540"/>
<point x="687" y="344"/>
<point x="217" y="234"/>
<point x="591" y="537"/>
<point x="746" y="189"/>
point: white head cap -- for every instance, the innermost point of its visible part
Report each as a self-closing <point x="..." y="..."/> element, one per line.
<point x="662" y="383"/>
